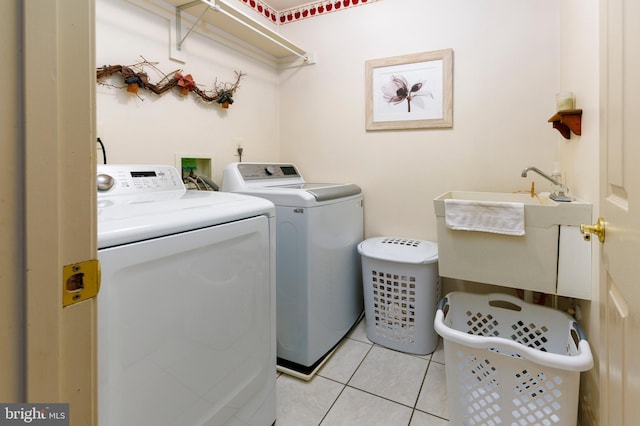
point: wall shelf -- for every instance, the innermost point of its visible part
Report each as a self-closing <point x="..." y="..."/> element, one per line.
<point x="226" y="17"/>
<point x="567" y="121"/>
<point x="219" y="21"/>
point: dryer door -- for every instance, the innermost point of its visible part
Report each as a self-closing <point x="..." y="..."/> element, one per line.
<point x="186" y="329"/>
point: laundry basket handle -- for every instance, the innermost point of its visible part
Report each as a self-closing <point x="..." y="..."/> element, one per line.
<point x="444" y="301"/>
<point x="505" y="301"/>
<point x="443" y="306"/>
<point x="581" y="334"/>
<point x="581" y="360"/>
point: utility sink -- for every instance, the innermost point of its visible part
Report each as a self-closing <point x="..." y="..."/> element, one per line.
<point x="540" y="210"/>
<point x="527" y="262"/>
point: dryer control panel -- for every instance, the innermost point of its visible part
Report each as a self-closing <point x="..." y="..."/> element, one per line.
<point x="120" y="179"/>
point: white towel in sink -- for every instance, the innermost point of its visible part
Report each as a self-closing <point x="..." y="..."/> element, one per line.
<point x="485" y="216"/>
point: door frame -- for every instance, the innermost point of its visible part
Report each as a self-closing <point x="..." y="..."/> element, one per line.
<point x="58" y="118"/>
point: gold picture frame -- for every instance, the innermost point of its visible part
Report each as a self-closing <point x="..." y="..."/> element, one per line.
<point x="420" y="81"/>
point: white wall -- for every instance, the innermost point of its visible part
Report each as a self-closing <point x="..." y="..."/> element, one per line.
<point x="152" y="129"/>
<point x="505" y="79"/>
<point x="579" y="59"/>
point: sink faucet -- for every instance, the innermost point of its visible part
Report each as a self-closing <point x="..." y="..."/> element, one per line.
<point x="559" y="192"/>
<point x="541" y="173"/>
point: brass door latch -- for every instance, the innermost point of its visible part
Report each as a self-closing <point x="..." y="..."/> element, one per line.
<point x="80" y="281"/>
<point x="595" y="229"/>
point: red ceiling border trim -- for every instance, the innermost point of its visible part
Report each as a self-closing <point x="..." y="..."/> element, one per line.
<point x="262" y="8"/>
<point x="303" y="12"/>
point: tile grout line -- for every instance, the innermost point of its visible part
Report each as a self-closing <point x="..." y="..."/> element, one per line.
<point x="344" y="385"/>
<point x="424" y="379"/>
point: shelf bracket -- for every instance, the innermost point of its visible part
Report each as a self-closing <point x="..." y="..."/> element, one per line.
<point x="179" y="39"/>
<point x="567" y="121"/>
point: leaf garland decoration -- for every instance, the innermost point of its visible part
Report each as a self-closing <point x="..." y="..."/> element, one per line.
<point x="136" y="78"/>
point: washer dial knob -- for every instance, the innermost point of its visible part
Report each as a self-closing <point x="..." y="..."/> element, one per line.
<point x="105" y="182"/>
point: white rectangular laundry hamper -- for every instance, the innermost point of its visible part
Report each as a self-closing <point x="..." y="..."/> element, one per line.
<point x="401" y="292"/>
<point x="508" y="362"/>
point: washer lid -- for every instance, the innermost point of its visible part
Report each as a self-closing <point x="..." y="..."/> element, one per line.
<point x="325" y="191"/>
<point x="402" y="250"/>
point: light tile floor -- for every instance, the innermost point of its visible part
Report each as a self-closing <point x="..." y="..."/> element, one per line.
<point x="367" y="384"/>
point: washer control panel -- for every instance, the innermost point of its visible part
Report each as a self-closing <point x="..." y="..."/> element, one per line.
<point x="123" y="179"/>
<point x="255" y="171"/>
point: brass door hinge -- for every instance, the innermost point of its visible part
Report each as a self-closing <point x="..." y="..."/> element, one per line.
<point x="80" y="281"/>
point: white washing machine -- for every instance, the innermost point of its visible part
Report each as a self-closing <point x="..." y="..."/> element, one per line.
<point x="186" y="309"/>
<point x="318" y="270"/>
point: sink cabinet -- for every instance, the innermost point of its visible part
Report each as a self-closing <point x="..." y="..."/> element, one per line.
<point x="528" y="262"/>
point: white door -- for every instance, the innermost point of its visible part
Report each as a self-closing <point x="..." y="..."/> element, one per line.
<point x="620" y="207"/>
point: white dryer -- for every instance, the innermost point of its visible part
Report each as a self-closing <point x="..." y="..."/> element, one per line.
<point x="318" y="270"/>
<point x="186" y="309"/>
